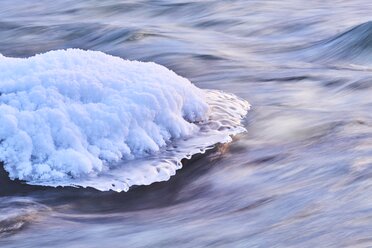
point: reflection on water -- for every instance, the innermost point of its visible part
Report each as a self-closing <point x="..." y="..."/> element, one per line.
<point x="300" y="177"/>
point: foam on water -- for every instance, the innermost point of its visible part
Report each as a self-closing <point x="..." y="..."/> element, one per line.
<point x="85" y="118"/>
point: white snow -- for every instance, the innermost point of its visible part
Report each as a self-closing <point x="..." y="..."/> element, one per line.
<point x="74" y="117"/>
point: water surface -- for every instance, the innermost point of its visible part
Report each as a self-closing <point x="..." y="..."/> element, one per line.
<point x="300" y="176"/>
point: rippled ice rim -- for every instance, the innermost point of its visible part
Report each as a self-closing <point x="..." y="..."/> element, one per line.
<point x="226" y="114"/>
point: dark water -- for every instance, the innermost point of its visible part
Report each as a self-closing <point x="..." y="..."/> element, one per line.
<point x="300" y="177"/>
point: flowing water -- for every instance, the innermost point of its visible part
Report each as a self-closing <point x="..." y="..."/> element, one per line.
<point x="300" y="177"/>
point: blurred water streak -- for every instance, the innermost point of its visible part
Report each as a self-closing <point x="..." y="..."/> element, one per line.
<point x="300" y="177"/>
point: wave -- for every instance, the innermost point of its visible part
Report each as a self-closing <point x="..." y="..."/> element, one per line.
<point x="16" y="213"/>
<point x="85" y="118"/>
<point x="354" y="46"/>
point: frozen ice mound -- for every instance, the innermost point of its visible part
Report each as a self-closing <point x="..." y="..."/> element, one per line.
<point x="85" y="118"/>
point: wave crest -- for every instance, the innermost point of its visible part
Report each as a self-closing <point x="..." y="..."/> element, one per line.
<point x="353" y="46"/>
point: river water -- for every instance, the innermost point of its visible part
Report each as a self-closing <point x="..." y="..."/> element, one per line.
<point x="300" y="177"/>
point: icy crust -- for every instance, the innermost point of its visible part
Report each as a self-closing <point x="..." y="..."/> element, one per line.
<point x="84" y="118"/>
<point x="224" y="121"/>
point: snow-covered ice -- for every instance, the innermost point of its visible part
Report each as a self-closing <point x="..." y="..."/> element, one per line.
<point x="85" y="118"/>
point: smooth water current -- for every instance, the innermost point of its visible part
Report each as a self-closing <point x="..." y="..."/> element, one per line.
<point x="300" y="177"/>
